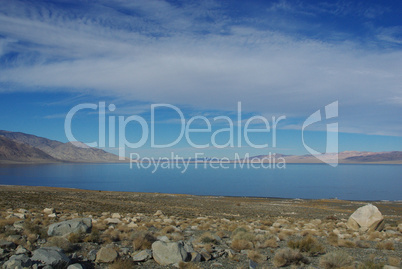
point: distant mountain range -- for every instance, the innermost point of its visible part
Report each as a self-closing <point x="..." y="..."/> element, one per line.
<point x="18" y="147"/>
<point x="26" y="148"/>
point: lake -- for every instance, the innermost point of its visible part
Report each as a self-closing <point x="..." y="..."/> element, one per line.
<point x="306" y="181"/>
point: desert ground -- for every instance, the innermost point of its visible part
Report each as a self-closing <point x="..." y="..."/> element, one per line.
<point x="130" y="230"/>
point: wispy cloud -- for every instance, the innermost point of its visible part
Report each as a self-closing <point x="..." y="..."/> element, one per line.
<point x="202" y="56"/>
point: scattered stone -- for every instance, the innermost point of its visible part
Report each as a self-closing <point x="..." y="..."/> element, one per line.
<point x="169" y="253"/>
<point x="76" y="226"/>
<point x="143" y="256"/>
<point x="112" y="221"/>
<point x="75" y="266"/>
<point x="19" y="225"/>
<point x="366" y="218"/>
<point x="20" y="215"/>
<point x="49" y="211"/>
<point x="196" y="257"/>
<point x="132" y="225"/>
<point x="252" y="264"/>
<point x="116" y="216"/>
<point x="18" y="261"/>
<point x="53" y="215"/>
<point x="7" y="244"/>
<point x="21" y="250"/>
<point x="217" y="264"/>
<point x="52" y="256"/>
<point x="158" y="213"/>
<point x="106" y="255"/>
<point x="92" y="255"/>
<point x="205" y="255"/>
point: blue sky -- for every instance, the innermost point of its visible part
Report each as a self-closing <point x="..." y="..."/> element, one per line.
<point x="277" y="58"/>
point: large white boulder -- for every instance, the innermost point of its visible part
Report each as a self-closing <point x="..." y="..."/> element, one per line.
<point x="169" y="253"/>
<point x="51" y="256"/>
<point x="68" y="227"/>
<point x="366" y="218"/>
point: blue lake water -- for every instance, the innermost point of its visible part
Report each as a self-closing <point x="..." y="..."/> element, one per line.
<point x="307" y="181"/>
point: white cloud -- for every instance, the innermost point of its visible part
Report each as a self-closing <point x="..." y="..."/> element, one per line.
<point x="153" y="51"/>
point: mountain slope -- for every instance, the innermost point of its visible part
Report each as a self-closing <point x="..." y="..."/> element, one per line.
<point x="71" y="152"/>
<point x="12" y="151"/>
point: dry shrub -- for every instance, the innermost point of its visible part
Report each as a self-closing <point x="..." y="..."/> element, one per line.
<point x="388" y="245"/>
<point x="362" y="244"/>
<point x="207" y="238"/>
<point x="143" y="240"/>
<point x="35" y="228"/>
<point x="394" y="261"/>
<point x="94" y="236"/>
<point x="60" y="242"/>
<point x="240" y="244"/>
<point x="221" y="234"/>
<point x="122" y="264"/>
<point x="268" y="243"/>
<point x="110" y="236"/>
<point x="176" y="237"/>
<point x="309" y="245"/>
<point x="255" y="256"/>
<point x="7" y="222"/>
<point x="287" y="256"/>
<point x="374" y="235"/>
<point x="346" y="243"/>
<point x="75" y="238"/>
<point x="168" y="230"/>
<point x="332" y="239"/>
<point x="188" y="265"/>
<point x="336" y="259"/>
<point x="370" y="264"/>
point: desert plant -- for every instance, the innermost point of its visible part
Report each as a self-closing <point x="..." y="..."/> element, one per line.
<point x="122" y="264"/>
<point x="388" y="245"/>
<point x="240" y="244"/>
<point x="309" y="245"/>
<point x="255" y="256"/>
<point x="370" y="264"/>
<point x="287" y="256"/>
<point x="335" y="259"/>
<point x="346" y="243"/>
<point x="94" y="236"/>
<point x="143" y="240"/>
<point x="188" y="265"/>
<point x="394" y="261"/>
<point x="60" y="242"/>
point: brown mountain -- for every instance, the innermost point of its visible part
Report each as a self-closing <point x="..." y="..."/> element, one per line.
<point x="393" y="156"/>
<point x="71" y="152"/>
<point x="14" y="152"/>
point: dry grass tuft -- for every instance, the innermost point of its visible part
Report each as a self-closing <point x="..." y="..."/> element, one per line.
<point x="336" y="259"/>
<point x="122" y="264"/>
<point x="332" y="239"/>
<point x="240" y="244"/>
<point x="188" y="265"/>
<point x="370" y="264"/>
<point x="287" y="256"/>
<point x="309" y="245"/>
<point x="388" y="245"/>
<point x="268" y="243"/>
<point x="60" y="242"/>
<point x="94" y="236"/>
<point x="346" y="243"/>
<point x="255" y="256"/>
<point x="143" y="240"/>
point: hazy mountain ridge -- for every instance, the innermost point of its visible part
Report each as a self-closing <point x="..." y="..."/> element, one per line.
<point x="13" y="151"/>
<point x="58" y="151"/>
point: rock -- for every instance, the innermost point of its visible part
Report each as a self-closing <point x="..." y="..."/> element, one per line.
<point x="205" y="255"/>
<point x="196" y="257"/>
<point x="390" y="267"/>
<point x="252" y="264"/>
<point x="163" y="238"/>
<point x="143" y="256"/>
<point x="112" y="221"/>
<point x="53" y="215"/>
<point x="169" y="253"/>
<point x="132" y="225"/>
<point x="18" y="261"/>
<point x="20" y="215"/>
<point x="51" y="256"/>
<point x="92" y="255"/>
<point x="48" y="211"/>
<point x="116" y="216"/>
<point x="400" y="227"/>
<point x="106" y="254"/>
<point x="68" y="227"/>
<point x="365" y="218"/>
<point x="21" y="250"/>
<point x="23" y="211"/>
<point x="158" y="213"/>
<point x="75" y="266"/>
<point x="19" y="225"/>
<point x="7" y="244"/>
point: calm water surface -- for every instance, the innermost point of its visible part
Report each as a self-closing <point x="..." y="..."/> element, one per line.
<point x="352" y="182"/>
